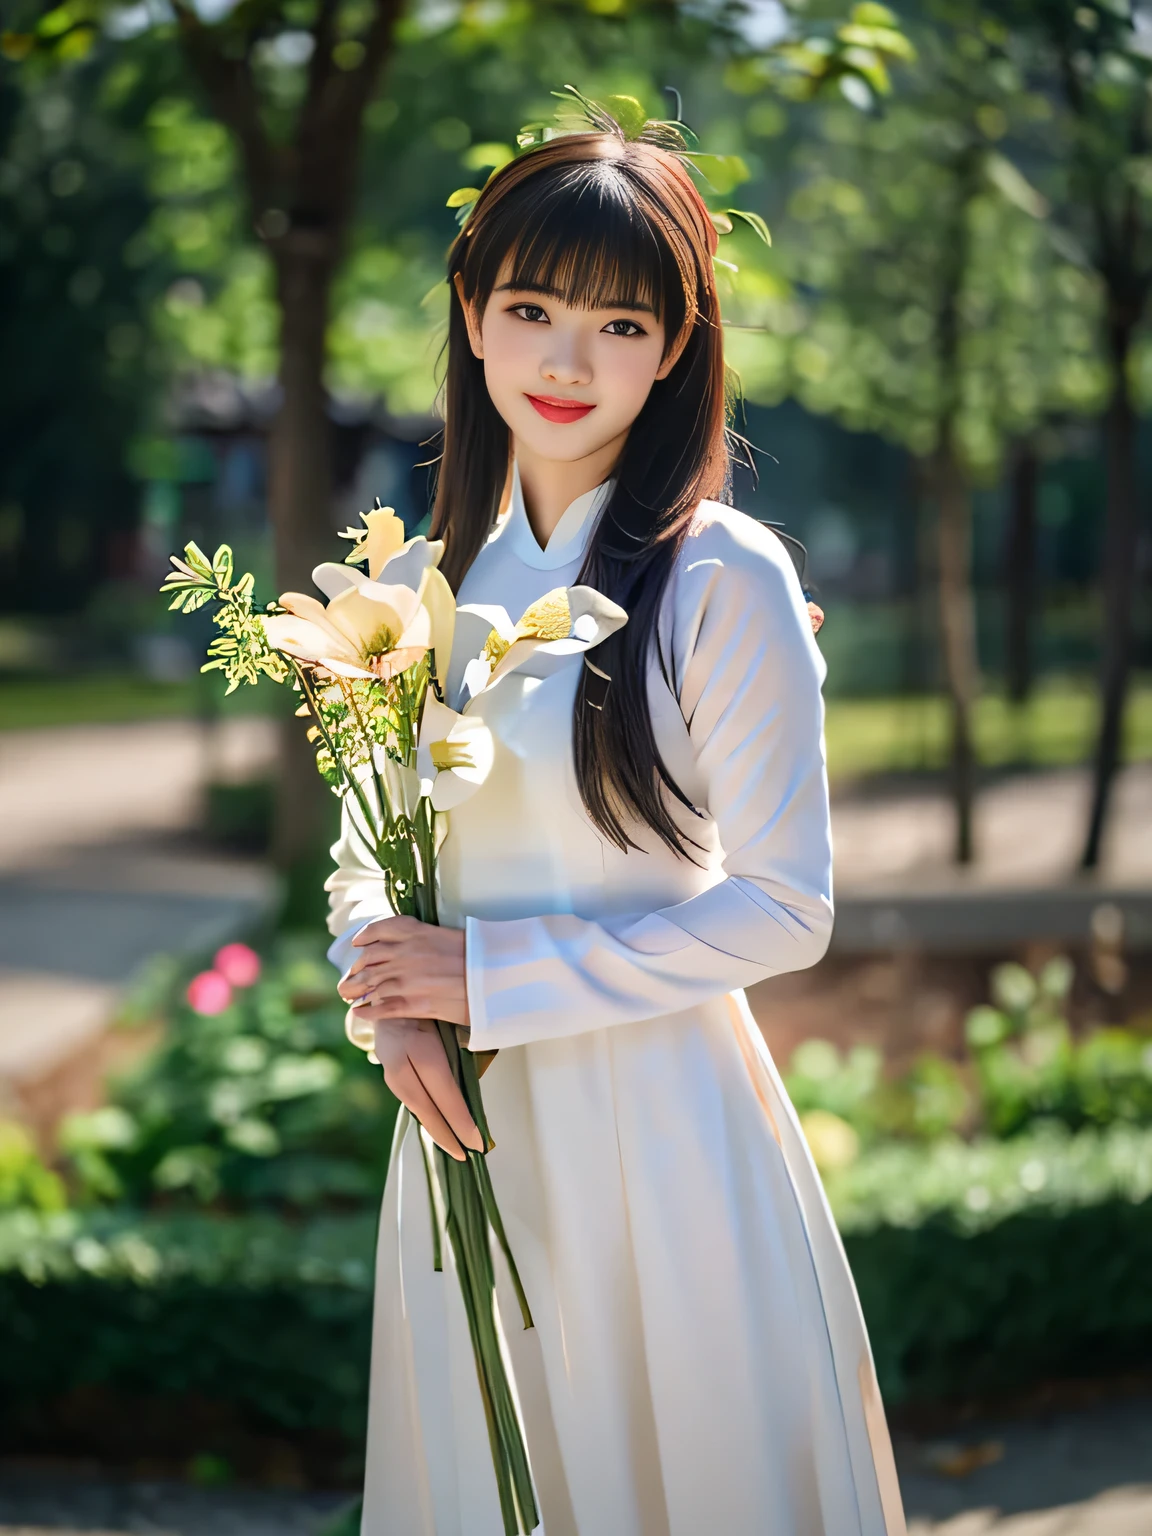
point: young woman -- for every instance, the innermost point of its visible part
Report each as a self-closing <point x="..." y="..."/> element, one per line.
<point x="653" y="837"/>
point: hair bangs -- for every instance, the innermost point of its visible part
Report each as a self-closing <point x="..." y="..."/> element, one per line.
<point x="586" y="239"/>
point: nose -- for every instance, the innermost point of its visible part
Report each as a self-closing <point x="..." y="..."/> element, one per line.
<point x="566" y="360"/>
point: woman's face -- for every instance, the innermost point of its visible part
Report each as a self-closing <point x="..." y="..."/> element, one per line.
<point x="569" y="382"/>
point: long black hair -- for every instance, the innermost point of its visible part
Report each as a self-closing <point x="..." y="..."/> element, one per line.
<point x="601" y="220"/>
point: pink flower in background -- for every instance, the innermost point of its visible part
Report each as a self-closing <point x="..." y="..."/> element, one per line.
<point x="238" y="964"/>
<point x="209" y="993"/>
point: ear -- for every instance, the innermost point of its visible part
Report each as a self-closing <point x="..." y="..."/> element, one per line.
<point x="675" y="353"/>
<point x="471" y="318"/>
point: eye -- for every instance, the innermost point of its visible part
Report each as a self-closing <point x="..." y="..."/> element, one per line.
<point x="530" y="312"/>
<point x="624" y="328"/>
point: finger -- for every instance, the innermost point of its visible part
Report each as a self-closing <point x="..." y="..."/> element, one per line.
<point x="431" y="1067"/>
<point x="388" y="1005"/>
<point x="406" y="1085"/>
<point x="360" y="980"/>
<point x="371" y="954"/>
<point x="371" y="1014"/>
<point x="388" y="930"/>
<point x="360" y="986"/>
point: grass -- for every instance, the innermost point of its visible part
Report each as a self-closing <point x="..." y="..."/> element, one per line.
<point x="1056" y="727"/>
<point x="118" y="698"/>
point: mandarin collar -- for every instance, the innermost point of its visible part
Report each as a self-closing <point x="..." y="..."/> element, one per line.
<point x="570" y="536"/>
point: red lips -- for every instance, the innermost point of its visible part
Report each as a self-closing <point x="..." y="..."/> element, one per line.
<point x="553" y="409"/>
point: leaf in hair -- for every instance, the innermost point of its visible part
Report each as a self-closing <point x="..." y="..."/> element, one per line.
<point x="754" y="221"/>
<point x="629" y="114"/>
<point x="722" y="172"/>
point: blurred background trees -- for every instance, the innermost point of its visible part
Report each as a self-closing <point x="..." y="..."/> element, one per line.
<point x="1093" y="62"/>
<point x="221" y="275"/>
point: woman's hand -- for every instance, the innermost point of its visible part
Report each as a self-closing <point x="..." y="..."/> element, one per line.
<point x="407" y="969"/>
<point x="407" y="974"/>
<point x="416" y="1070"/>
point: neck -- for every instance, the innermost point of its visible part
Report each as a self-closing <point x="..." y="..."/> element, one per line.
<point x="550" y="486"/>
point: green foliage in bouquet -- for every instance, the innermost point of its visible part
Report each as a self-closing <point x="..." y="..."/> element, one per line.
<point x="262" y="1104"/>
<point x="242" y="650"/>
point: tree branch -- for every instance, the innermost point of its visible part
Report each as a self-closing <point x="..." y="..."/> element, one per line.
<point x="320" y="65"/>
<point x="232" y="94"/>
<point x="1093" y="183"/>
<point x="328" y="134"/>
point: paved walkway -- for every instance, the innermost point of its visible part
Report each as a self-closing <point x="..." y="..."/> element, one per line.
<point x="1083" y="1473"/>
<point x="897" y="888"/>
<point x="97" y="873"/>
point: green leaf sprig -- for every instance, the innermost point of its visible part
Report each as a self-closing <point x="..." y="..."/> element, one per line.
<point x="627" y="119"/>
<point x="241" y="651"/>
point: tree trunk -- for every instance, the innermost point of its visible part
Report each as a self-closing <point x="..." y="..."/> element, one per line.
<point x="1117" y="581"/>
<point x="957" y="631"/>
<point x="954" y="511"/>
<point x="300" y="508"/>
<point x="302" y="195"/>
<point x="1020" y="574"/>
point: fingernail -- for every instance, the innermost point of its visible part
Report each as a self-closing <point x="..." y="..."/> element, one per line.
<point x="476" y="1141"/>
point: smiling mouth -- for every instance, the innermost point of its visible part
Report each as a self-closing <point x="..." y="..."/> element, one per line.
<point x="553" y="409"/>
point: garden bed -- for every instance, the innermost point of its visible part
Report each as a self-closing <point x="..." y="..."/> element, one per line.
<point x="980" y="1266"/>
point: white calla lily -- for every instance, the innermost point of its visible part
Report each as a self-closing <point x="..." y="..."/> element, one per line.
<point x="454" y="755"/>
<point x="564" y="621"/>
<point x="367" y="630"/>
<point x="413" y="565"/>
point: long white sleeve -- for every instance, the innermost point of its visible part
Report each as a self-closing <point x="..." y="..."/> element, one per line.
<point x="749" y="675"/>
<point x="356" y="892"/>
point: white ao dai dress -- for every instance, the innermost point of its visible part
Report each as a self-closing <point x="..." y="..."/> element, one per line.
<point x="699" y="1365"/>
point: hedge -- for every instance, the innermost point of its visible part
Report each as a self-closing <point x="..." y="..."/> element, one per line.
<point x="270" y="1318"/>
<point x="979" y="1267"/>
<point x="991" y="1266"/>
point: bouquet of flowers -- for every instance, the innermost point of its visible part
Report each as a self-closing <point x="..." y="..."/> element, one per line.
<point x="371" y="667"/>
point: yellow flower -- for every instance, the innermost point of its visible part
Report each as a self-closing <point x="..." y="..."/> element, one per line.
<point x="380" y="538"/>
<point x="562" y="622"/>
<point x="367" y="630"/>
<point x="454" y="755"/>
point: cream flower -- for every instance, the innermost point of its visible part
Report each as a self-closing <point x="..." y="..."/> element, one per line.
<point x="367" y="630"/>
<point x="454" y="755"/>
<point x="379" y="539"/>
<point x="562" y="622"/>
<point x="413" y="565"/>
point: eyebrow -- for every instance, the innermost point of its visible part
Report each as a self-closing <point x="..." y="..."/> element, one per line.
<point x="548" y="292"/>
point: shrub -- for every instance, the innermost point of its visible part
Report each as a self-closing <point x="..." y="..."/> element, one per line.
<point x="988" y="1266"/>
<point x="25" y="1181"/>
<point x="269" y="1316"/>
<point x="1024" y="1067"/>
<point x="253" y="1098"/>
